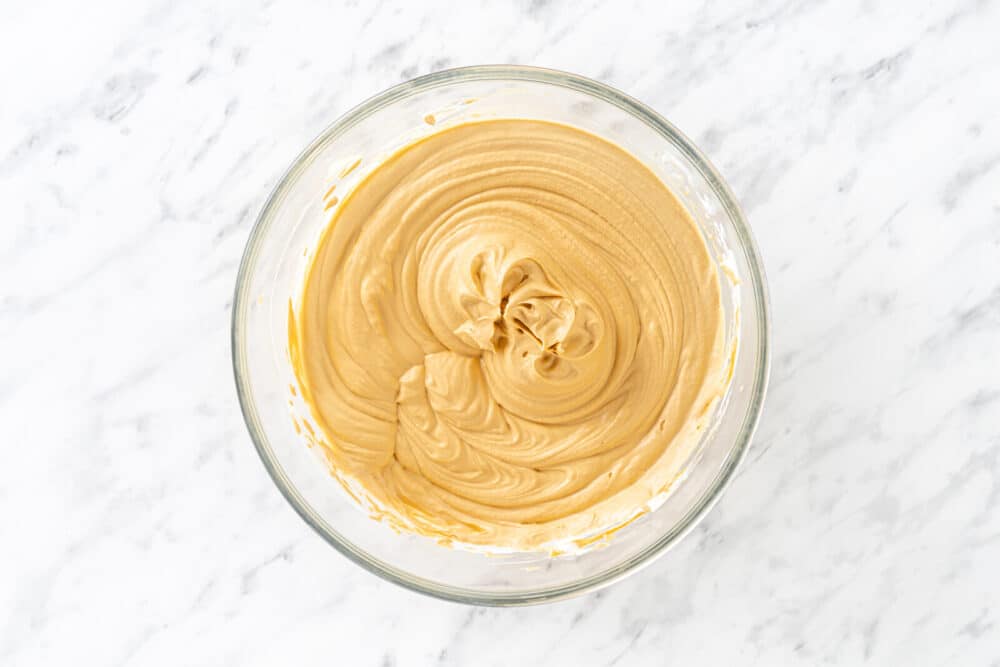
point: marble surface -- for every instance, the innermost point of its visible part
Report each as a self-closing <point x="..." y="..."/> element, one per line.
<point x="138" y="140"/>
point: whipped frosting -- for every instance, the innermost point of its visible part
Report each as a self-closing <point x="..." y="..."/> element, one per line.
<point x="510" y="335"/>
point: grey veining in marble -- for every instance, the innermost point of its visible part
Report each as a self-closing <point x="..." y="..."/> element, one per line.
<point x="137" y="143"/>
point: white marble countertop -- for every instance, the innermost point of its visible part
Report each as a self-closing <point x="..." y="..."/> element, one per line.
<point x="138" y="139"/>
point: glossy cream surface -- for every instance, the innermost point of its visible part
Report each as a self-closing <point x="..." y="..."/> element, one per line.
<point x="510" y="335"/>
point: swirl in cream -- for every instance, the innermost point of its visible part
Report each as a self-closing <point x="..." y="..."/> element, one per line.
<point x="510" y="335"/>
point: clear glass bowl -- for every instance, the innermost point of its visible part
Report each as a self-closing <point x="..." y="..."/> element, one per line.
<point x="273" y="267"/>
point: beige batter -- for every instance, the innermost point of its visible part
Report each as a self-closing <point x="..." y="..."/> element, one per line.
<point x="510" y="336"/>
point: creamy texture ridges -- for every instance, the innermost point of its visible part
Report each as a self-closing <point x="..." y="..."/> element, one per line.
<point x="510" y="335"/>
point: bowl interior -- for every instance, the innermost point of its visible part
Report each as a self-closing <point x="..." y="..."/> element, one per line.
<point x="277" y="256"/>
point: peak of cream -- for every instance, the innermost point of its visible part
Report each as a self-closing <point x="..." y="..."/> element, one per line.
<point x="510" y="336"/>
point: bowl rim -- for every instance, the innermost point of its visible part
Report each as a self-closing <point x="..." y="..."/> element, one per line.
<point x="736" y="454"/>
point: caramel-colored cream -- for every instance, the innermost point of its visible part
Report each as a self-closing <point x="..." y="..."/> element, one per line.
<point x="510" y="336"/>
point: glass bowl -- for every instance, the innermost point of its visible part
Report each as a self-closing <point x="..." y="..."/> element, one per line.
<point x="272" y="271"/>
